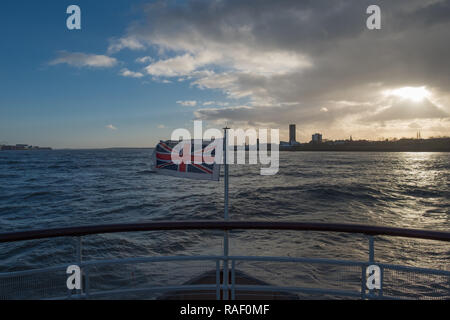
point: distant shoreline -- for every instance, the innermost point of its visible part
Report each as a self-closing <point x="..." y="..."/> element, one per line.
<point x="362" y="150"/>
<point x="403" y="145"/>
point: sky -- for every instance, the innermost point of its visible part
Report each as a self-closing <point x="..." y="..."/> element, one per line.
<point x="137" y="70"/>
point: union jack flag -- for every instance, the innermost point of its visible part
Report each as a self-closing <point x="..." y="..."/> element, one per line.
<point x="183" y="159"/>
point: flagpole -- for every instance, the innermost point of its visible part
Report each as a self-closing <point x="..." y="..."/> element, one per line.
<point x="225" y="142"/>
<point x="225" y="237"/>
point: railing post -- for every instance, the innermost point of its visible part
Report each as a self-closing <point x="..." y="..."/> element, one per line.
<point x="86" y="281"/>
<point x="363" y="282"/>
<point x="381" y="282"/>
<point x="80" y="260"/>
<point x="371" y="250"/>
<point x="233" y="280"/>
<point x="226" y="216"/>
<point x="371" y="259"/>
<point x="218" y="279"/>
<point x="79" y="250"/>
<point x="225" y="266"/>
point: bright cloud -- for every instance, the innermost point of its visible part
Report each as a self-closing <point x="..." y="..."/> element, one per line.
<point x="131" y="74"/>
<point x="412" y="93"/>
<point x="131" y="43"/>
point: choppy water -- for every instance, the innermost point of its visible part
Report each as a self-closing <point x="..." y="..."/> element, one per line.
<point x="46" y="189"/>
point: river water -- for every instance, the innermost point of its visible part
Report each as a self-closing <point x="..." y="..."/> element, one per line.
<point x="62" y="188"/>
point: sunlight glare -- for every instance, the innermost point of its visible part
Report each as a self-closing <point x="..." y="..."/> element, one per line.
<point x="412" y="93"/>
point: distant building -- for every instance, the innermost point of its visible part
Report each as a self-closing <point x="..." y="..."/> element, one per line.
<point x="292" y="134"/>
<point x="292" y="137"/>
<point x="21" y="147"/>
<point x="317" y="138"/>
<point x="339" y="142"/>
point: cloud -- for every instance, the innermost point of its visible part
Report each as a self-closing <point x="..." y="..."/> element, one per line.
<point x="111" y="127"/>
<point x="285" y="61"/>
<point x="215" y="103"/>
<point x="403" y="109"/>
<point x="414" y="125"/>
<point x="188" y="103"/>
<point x="145" y="59"/>
<point x="131" y="74"/>
<point x="181" y="65"/>
<point x="267" y="115"/>
<point x="235" y="59"/>
<point x="131" y="43"/>
<point x="79" y="59"/>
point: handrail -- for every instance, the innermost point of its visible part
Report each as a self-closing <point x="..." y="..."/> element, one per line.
<point x="223" y="225"/>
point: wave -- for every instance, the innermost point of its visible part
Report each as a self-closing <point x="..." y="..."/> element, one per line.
<point x="39" y="194"/>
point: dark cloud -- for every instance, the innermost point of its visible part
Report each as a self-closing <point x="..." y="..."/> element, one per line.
<point x="260" y="115"/>
<point x="242" y="44"/>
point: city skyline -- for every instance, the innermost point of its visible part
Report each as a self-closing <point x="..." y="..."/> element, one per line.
<point x="293" y="141"/>
<point x="137" y="70"/>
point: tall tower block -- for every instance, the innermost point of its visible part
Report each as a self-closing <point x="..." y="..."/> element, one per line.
<point x="292" y="134"/>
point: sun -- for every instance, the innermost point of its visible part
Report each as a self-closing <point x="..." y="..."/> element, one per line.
<point x="416" y="94"/>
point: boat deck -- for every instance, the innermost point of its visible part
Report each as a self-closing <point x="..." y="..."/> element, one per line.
<point x="241" y="278"/>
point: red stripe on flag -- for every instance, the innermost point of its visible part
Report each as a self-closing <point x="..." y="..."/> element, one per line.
<point x="163" y="156"/>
